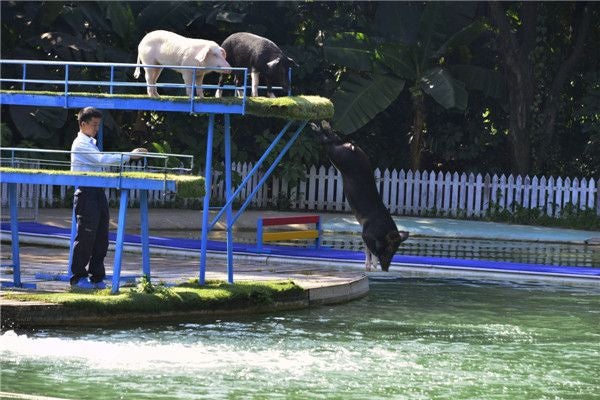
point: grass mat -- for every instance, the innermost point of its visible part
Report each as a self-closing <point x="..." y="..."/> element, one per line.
<point x="148" y="298"/>
<point x="187" y="185"/>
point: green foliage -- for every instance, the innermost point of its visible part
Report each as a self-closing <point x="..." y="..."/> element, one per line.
<point x="348" y="49"/>
<point x="587" y="115"/>
<point x="571" y="217"/>
<point x="146" y="286"/>
<point x="337" y="44"/>
<point x="411" y="41"/>
<point x="358" y="100"/>
<point x="6" y="135"/>
<point x="449" y="92"/>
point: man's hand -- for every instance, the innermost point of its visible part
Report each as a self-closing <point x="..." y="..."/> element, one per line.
<point x="134" y="157"/>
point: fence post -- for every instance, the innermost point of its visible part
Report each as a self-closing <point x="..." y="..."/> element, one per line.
<point x="401" y="192"/>
<point x="423" y="195"/>
<point x="594" y="188"/>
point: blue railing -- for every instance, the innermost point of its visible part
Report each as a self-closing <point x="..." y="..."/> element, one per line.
<point x="68" y="78"/>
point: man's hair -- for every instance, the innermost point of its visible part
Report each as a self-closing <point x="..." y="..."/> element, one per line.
<point x="86" y="114"/>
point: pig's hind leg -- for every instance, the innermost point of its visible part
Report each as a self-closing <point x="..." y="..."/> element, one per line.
<point x="255" y="77"/>
<point x="368" y="259"/>
<point x="187" y="79"/>
<point x="199" y="80"/>
<point x="151" y="75"/>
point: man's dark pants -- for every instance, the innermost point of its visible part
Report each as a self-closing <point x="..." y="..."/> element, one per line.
<point x="91" y="242"/>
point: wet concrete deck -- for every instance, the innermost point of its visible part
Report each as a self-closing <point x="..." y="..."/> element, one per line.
<point x="323" y="284"/>
<point x="177" y="268"/>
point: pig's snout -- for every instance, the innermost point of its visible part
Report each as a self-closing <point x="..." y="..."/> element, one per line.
<point x="224" y="64"/>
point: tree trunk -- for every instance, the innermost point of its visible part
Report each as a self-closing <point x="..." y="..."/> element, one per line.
<point x="519" y="73"/>
<point x="552" y="102"/>
<point x="418" y="127"/>
<point x="519" y="134"/>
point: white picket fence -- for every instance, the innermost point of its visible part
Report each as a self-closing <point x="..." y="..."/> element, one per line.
<point x="404" y="193"/>
<point x="430" y="193"/>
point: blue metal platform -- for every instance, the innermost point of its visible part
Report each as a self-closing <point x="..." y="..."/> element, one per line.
<point x="123" y="183"/>
<point x="76" y="85"/>
<point x="70" y="90"/>
<point x="121" y="102"/>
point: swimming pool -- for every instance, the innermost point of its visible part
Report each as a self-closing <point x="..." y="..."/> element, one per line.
<point x="566" y="254"/>
<point x="413" y="339"/>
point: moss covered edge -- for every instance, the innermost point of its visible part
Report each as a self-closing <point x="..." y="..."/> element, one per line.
<point x="187" y="185"/>
<point x="149" y="299"/>
<point x="302" y="107"/>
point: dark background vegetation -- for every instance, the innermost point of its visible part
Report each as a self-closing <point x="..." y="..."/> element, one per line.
<point x="509" y="87"/>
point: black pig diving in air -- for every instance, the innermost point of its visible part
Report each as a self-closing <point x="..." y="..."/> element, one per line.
<point x="379" y="232"/>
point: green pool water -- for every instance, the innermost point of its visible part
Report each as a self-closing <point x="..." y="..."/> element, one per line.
<point x="409" y="339"/>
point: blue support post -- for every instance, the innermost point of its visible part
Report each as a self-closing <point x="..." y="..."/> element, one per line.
<point x="207" y="187"/>
<point x="24" y="76"/>
<point x="112" y="78"/>
<point x="229" y="213"/>
<point x="120" y="238"/>
<point x="144" y="233"/>
<point x="67" y="86"/>
<point x="244" y="91"/>
<point x="318" y="239"/>
<point x="14" y="228"/>
<point x="270" y="170"/>
<point x="251" y="173"/>
<point x="259" y="234"/>
<point x="73" y="234"/>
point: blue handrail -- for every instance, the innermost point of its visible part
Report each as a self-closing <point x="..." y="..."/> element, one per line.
<point x="69" y="82"/>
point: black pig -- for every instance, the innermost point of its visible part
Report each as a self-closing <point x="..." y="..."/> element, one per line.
<point x="379" y="232"/>
<point x="262" y="57"/>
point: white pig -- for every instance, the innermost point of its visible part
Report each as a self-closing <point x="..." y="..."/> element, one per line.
<point x="168" y="48"/>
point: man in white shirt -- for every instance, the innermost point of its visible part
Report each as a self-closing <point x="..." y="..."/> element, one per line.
<point x="90" y="203"/>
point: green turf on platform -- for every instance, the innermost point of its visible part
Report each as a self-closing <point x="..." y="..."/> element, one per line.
<point x="187" y="185"/>
<point x="289" y="107"/>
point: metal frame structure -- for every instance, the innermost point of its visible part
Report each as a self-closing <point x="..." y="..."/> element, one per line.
<point x="25" y="90"/>
<point x="125" y="184"/>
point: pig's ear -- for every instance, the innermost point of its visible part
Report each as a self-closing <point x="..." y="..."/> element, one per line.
<point x="326" y="125"/>
<point x="201" y="56"/>
<point x="292" y="63"/>
<point x="273" y="63"/>
<point x="315" y="127"/>
<point x="223" y="52"/>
